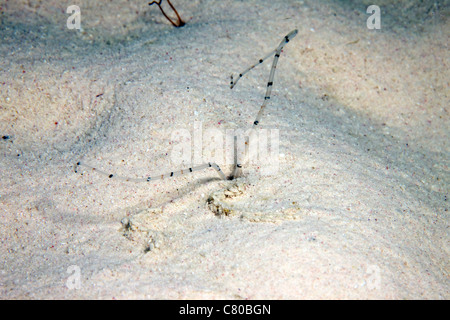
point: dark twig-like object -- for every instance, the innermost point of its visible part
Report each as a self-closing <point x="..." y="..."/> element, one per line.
<point x="180" y="22"/>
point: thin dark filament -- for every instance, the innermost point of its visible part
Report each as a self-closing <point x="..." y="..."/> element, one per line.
<point x="180" y="22"/>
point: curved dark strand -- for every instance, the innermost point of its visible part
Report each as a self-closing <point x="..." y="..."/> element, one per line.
<point x="180" y="22"/>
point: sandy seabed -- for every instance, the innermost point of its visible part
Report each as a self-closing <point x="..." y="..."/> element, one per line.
<point x="357" y="210"/>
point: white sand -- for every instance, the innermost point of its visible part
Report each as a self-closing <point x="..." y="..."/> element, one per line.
<point x="358" y="210"/>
